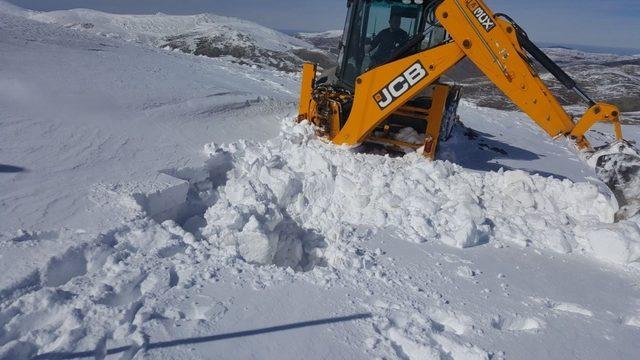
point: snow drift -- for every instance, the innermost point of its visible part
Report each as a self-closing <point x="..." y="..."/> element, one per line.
<point x="297" y="181"/>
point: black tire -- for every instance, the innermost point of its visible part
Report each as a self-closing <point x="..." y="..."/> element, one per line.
<point x="451" y="113"/>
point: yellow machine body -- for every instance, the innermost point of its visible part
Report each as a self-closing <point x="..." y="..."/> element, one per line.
<point x="497" y="53"/>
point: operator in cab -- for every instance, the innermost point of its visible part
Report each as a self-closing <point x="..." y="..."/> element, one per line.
<point x="388" y="40"/>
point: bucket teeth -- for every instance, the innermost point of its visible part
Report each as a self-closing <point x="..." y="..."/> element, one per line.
<point x="618" y="166"/>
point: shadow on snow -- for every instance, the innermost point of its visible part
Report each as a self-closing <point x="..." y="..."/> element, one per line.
<point x="204" y="339"/>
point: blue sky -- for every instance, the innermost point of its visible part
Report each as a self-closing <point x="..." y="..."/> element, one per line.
<point x="614" y="23"/>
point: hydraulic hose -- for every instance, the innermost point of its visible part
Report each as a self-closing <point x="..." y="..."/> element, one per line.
<point x="542" y="58"/>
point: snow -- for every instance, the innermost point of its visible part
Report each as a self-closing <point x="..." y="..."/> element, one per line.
<point x="296" y="177"/>
<point x="325" y="34"/>
<point x="131" y="234"/>
<point x="120" y="114"/>
<point x="155" y="29"/>
<point x="202" y="34"/>
<point x="7" y="8"/>
<point x="583" y="57"/>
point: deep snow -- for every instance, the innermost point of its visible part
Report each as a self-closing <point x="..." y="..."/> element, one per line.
<point x="324" y="189"/>
<point x="404" y="258"/>
<point x="340" y="234"/>
<point x="78" y="109"/>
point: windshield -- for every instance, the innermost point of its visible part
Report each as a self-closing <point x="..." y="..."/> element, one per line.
<point x="378" y="28"/>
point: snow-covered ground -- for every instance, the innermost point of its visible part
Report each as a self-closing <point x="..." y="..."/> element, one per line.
<point x="168" y="207"/>
<point x="101" y="110"/>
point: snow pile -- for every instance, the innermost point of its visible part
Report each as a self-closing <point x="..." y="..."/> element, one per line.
<point x="278" y="195"/>
<point x="252" y="216"/>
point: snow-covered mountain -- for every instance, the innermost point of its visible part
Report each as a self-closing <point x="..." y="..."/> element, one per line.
<point x="155" y="204"/>
<point x="607" y="77"/>
<point x="327" y="40"/>
<point x="10" y="9"/>
<point x="204" y="34"/>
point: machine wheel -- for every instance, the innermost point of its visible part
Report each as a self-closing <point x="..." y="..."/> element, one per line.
<point x="450" y="114"/>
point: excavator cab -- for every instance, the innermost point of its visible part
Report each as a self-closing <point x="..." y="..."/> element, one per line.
<point x="376" y="33"/>
<point x="368" y="21"/>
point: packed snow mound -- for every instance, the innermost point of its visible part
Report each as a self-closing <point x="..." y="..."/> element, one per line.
<point x="256" y="193"/>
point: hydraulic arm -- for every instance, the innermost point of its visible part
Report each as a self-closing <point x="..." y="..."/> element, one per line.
<point x="497" y="47"/>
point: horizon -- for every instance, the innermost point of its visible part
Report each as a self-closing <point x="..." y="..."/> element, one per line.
<point x="545" y="44"/>
<point x="564" y="25"/>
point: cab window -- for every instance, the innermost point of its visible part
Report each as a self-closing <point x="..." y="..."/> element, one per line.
<point x="378" y="28"/>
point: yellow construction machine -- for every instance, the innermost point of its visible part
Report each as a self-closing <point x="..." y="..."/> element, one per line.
<point x="393" y="54"/>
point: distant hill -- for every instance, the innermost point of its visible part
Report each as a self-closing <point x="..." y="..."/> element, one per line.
<point x="204" y="34"/>
<point x="607" y="77"/>
<point x="327" y="40"/>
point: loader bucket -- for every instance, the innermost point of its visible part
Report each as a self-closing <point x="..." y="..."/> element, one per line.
<point x="618" y="165"/>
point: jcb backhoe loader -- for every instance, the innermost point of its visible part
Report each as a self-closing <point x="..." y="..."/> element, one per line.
<point x="393" y="54"/>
